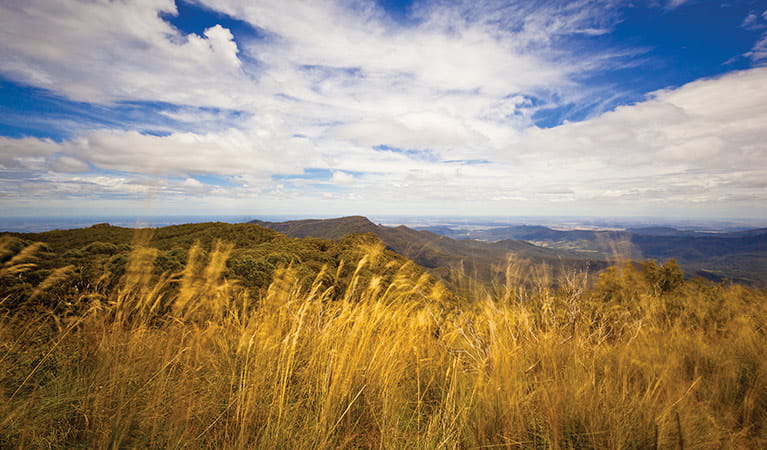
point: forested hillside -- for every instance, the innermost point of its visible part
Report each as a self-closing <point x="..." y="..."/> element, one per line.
<point x="97" y="257"/>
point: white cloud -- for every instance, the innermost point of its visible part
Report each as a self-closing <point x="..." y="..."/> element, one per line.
<point x="755" y="21"/>
<point x="103" y="51"/>
<point x="69" y="164"/>
<point x="452" y="54"/>
<point x="671" y="4"/>
<point x="192" y="183"/>
<point x="462" y="77"/>
<point x="16" y="153"/>
<point x="232" y="152"/>
<point x="422" y="130"/>
<point x="342" y="178"/>
<point x="758" y="53"/>
<point x="694" y="143"/>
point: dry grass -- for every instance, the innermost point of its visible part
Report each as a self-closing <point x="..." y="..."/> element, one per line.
<point x="193" y="360"/>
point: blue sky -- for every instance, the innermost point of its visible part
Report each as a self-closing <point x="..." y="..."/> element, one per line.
<point x="585" y="107"/>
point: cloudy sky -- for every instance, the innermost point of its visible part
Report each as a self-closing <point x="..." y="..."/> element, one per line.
<point x="321" y="107"/>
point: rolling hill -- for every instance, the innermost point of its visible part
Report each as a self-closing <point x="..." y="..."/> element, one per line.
<point x="103" y="253"/>
<point x="445" y="257"/>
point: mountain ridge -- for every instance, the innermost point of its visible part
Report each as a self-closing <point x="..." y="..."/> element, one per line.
<point x="441" y="254"/>
<point x="255" y="253"/>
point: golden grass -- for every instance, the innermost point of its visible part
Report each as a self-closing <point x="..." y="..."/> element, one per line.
<point x="194" y="360"/>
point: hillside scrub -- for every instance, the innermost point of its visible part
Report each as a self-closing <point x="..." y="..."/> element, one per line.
<point x="382" y="357"/>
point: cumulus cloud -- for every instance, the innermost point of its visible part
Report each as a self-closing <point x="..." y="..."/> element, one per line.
<point x="232" y="152"/>
<point x="138" y="156"/>
<point x="104" y="51"/>
<point x="448" y="51"/>
<point x="695" y="142"/>
<point x="342" y="178"/>
<point x="16" y="153"/>
<point x="353" y="58"/>
<point x="694" y="124"/>
<point x="462" y="76"/>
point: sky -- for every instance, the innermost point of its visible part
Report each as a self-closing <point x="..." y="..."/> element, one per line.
<point x="405" y="107"/>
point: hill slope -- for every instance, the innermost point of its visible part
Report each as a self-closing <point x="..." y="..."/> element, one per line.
<point x="102" y="255"/>
<point x="642" y="358"/>
<point x="445" y="257"/>
<point x="323" y="228"/>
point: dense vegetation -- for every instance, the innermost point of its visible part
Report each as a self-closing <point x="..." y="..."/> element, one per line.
<point x="94" y="259"/>
<point x="112" y="338"/>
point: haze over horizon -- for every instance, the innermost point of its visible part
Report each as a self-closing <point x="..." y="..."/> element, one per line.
<point x="331" y="108"/>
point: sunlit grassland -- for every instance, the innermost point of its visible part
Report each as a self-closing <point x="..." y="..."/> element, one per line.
<point x="635" y="359"/>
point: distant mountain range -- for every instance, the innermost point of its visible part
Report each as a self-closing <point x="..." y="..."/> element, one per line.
<point x="739" y="256"/>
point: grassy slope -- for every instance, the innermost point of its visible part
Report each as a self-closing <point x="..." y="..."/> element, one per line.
<point x="639" y="359"/>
